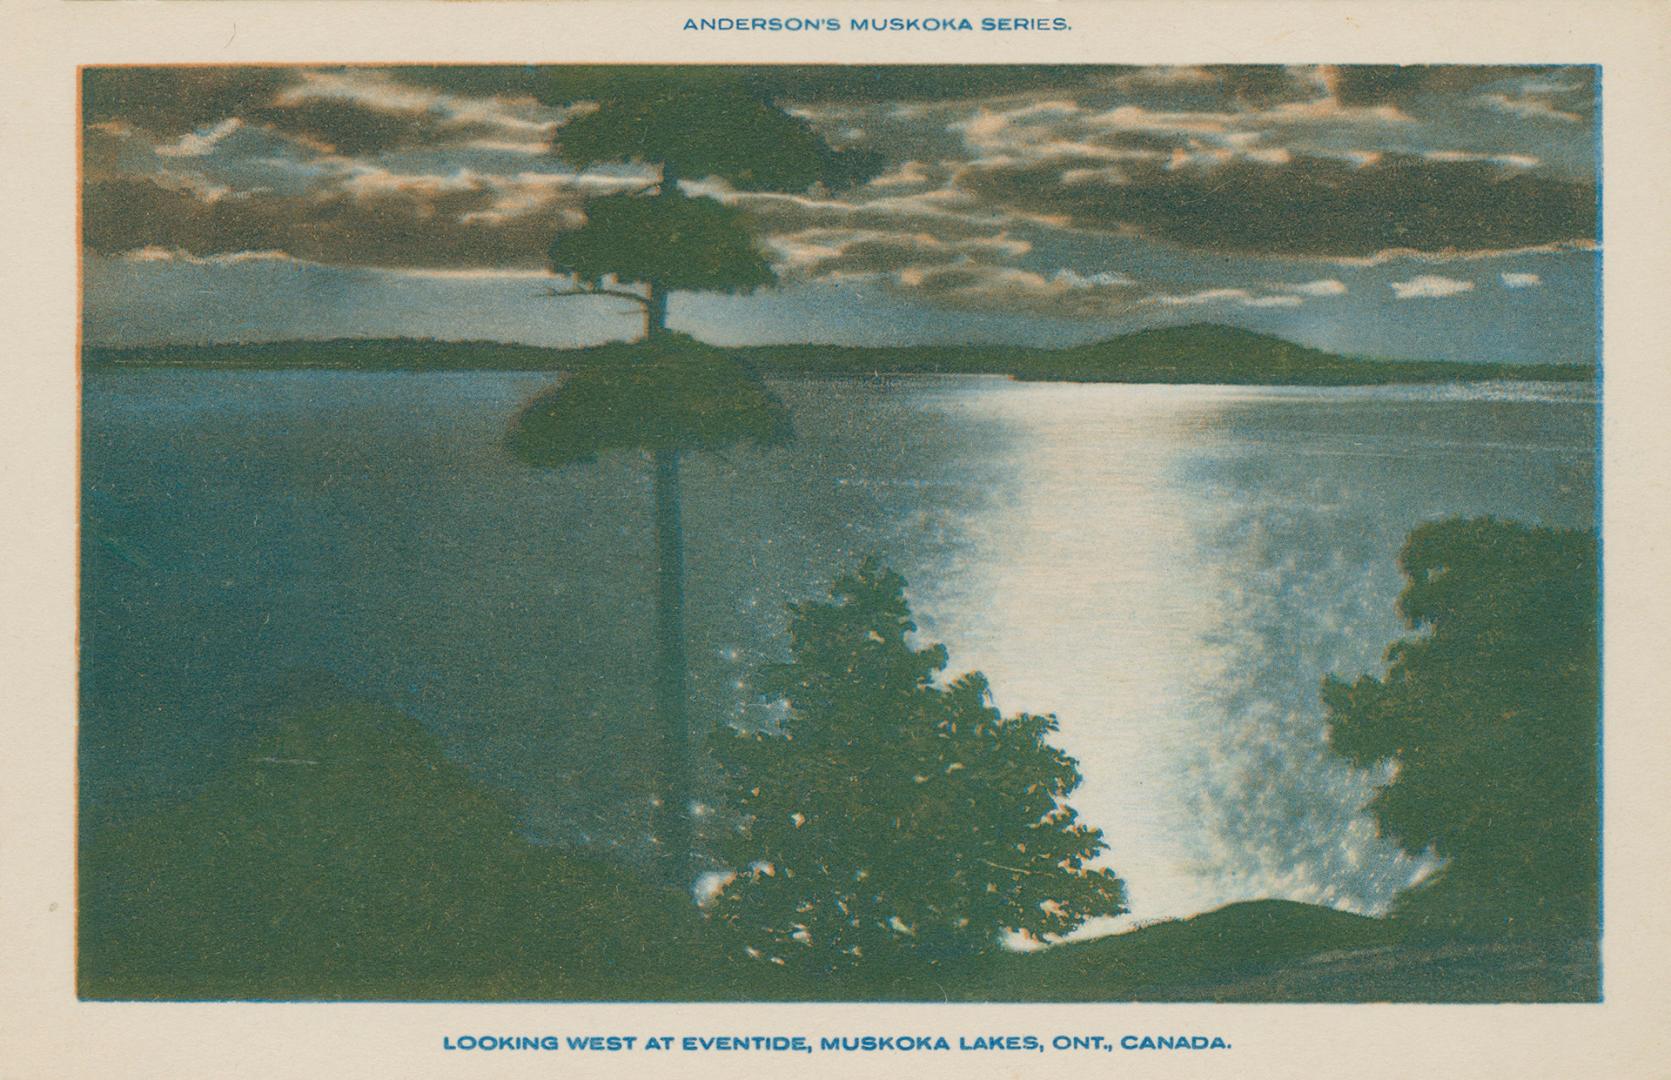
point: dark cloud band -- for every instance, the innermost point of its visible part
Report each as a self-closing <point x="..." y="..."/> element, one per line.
<point x="416" y="228"/>
<point x="1310" y="206"/>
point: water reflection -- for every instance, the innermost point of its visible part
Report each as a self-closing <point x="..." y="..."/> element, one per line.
<point x="1315" y="504"/>
<point x="1179" y="566"/>
<point x="1170" y="569"/>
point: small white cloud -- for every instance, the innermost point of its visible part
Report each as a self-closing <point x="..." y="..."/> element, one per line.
<point x="1357" y="158"/>
<point x="1530" y="106"/>
<point x="467" y="273"/>
<point x="1075" y="280"/>
<point x="1205" y="296"/>
<point x="911" y="172"/>
<point x="1521" y="281"/>
<point x="1430" y="287"/>
<point x="158" y="254"/>
<point x="1236" y="296"/>
<point x="201" y="143"/>
<point x="1324" y="287"/>
<point x="1507" y="161"/>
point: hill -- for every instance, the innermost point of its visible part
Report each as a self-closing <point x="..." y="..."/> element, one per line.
<point x="1202" y="353"/>
<point x="1180" y="354"/>
<point x="345" y="857"/>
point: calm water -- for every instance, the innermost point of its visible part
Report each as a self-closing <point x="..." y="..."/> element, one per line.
<point x="1171" y="570"/>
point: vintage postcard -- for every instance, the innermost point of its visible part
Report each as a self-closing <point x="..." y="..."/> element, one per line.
<point x="972" y="541"/>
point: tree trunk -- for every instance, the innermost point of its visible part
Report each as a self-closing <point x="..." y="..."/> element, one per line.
<point x="673" y="828"/>
<point x="655" y="313"/>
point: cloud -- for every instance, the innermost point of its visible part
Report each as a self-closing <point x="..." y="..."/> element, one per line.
<point x="1002" y="187"/>
<point x="358" y="112"/>
<point x="1507" y="161"/>
<point x="1409" y="85"/>
<point x="1449" y="255"/>
<point x="817" y="253"/>
<point x="1228" y="295"/>
<point x="1324" y="287"/>
<point x="951" y="268"/>
<point x="1530" y="107"/>
<point x="428" y="222"/>
<point x="906" y="174"/>
<point x="201" y="143"/>
<point x="342" y="111"/>
<point x="1204" y="296"/>
<point x="1311" y="206"/>
<point x="1430" y="287"/>
<point x="985" y="287"/>
<point x="946" y="210"/>
<point x="231" y="258"/>
<point x="173" y="102"/>
<point x="1074" y="279"/>
<point x="1521" y="281"/>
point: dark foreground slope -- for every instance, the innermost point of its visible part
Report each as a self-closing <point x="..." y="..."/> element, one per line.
<point x="1278" y="950"/>
<point x="1182" y="354"/>
<point x="1257" y="951"/>
<point x="344" y="857"/>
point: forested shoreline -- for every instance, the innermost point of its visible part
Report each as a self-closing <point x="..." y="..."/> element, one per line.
<point x="1203" y="353"/>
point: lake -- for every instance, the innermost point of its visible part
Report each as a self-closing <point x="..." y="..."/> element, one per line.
<point x="1170" y="569"/>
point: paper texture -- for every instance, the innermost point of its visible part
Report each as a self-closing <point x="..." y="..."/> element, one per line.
<point x="1034" y="214"/>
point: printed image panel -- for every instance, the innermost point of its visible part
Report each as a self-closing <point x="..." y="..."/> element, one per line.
<point x="839" y="533"/>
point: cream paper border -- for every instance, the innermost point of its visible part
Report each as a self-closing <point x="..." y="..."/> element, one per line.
<point x="46" y="1033"/>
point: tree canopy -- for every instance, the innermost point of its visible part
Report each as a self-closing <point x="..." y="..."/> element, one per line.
<point x="668" y="240"/>
<point x="1490" y="718"/>
<point x="889" y="812"/>
<point x="688" y="124"/>
<point x="700" y="123"/>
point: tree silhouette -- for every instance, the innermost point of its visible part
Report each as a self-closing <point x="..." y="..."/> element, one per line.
<point x="676" y="395"/>
<point x="1490" y="718"/>
<point x="887" y="813"/>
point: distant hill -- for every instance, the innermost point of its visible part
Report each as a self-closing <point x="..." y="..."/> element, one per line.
<point x="1180" y="354"/>
<point x="1201" y="353"/>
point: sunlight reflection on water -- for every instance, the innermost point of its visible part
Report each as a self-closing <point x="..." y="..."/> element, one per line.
<point x="1171" y="570"/>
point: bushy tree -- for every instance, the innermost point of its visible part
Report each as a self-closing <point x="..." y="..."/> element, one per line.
<point x="1489" y="717"/>
<point x="887" y="812"/>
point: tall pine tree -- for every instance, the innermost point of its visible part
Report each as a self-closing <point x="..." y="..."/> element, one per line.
<point x="675" y="395"/>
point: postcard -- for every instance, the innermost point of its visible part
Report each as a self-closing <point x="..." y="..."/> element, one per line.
<point x="649" y="539"/>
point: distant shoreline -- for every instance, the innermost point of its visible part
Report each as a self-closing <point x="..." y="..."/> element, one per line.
<point x="1189" y="355"/>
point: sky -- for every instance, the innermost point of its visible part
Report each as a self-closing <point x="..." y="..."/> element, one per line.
<point x="1445" y="212"/>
